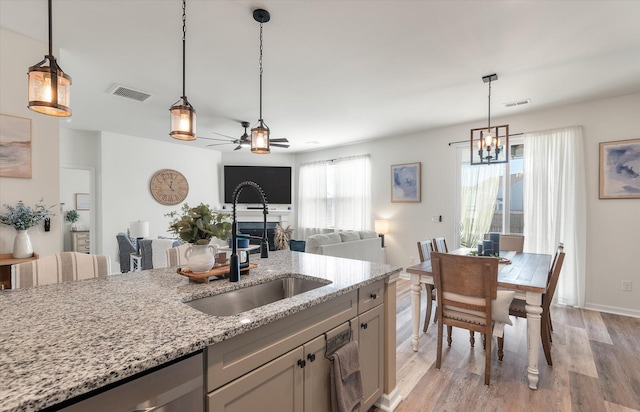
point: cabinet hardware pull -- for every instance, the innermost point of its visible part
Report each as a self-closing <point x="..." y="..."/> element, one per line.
<point x="302" y="363"/>
<point x="311" y="357"/>
<point x="364" y="325"/>
<point x="373" y="296"/>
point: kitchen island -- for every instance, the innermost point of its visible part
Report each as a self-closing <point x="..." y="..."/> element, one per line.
<point x="62" y="341"/>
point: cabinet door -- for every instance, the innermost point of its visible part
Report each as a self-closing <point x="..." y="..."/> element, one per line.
<point x="371" y="344"/>
<point x="317" y="377"/>
<point x="275" y="386"/>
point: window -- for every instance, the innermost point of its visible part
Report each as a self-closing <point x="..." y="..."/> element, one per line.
<point x="490" y="197"/>
<point x="335" y="195"/>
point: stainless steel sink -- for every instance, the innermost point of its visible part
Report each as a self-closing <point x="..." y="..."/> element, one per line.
<point x="251" y="297"/>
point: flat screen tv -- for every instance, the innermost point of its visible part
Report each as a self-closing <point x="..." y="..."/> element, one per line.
<point x="274" y="180"/>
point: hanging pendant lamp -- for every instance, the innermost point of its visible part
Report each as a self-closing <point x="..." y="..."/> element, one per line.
<point x="260" y="133"/>
<point x="490" y="144"/>
<point x="183" y="115"/>
<point x="49" y="86"/>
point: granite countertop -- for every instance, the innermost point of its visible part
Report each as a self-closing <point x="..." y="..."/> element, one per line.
<point x="63" y="340"/>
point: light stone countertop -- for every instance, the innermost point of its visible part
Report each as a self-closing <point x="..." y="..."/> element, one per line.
<point x="63" y="340"/>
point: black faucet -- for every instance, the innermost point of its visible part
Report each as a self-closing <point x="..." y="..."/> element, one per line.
<point x="234" y="261"/>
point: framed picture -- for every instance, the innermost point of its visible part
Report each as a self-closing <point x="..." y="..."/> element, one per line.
<point x="405" y="183"/>
<point x="620" y="169"/>
<point x="15" y="145"/>
<point x="83" y="201"/>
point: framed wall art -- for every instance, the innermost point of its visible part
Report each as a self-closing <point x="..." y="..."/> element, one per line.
<point x="15" y="145"/>
<point x="83" y="201"/>
<point x="405" y="183"/>
<point x="620" y="169"/>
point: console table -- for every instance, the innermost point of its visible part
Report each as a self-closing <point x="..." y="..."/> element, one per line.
<point x="6" y="260"/>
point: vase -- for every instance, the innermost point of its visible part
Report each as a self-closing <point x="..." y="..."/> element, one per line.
<point x="201" y="258"/>
<point x="22" y="245"/>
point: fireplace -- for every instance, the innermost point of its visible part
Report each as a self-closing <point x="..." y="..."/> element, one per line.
<point x="255" y="229"/>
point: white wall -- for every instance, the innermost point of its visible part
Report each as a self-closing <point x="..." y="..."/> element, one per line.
<point x="613" y="225"/>
<point x="128" y="163"/>
<point x="17" y="54"/>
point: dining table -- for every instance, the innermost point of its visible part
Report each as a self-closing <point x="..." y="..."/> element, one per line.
<point x="524" y="273"/>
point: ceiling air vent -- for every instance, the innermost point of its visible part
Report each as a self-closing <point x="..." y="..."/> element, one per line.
<point x="517" y="103"/>
<point x="128" y="93"/>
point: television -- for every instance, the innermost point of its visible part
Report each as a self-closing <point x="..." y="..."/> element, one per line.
<point x="275" y="181"/>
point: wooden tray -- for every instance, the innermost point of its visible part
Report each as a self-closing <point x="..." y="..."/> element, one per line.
<point x="216" y="271"/>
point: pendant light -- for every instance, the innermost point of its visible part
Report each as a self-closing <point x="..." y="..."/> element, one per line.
<point x="49" y="86"/>
<point x="260" y="133"/>
<point x="487" y="144"/>
<point x="183" y="115"/>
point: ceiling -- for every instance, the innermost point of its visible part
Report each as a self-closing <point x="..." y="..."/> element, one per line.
<point x="335" y="72"/>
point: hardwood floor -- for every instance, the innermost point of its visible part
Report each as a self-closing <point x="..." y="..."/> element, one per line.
<point x="596" y="366"/>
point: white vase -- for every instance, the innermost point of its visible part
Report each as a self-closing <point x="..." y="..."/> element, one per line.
<point x="201" y="258"/>
<point x="22" y="245"/>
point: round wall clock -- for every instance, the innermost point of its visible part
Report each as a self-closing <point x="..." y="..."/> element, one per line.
<point x="169" y="187"/>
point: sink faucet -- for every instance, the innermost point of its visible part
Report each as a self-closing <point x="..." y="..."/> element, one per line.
<point x="234" y="261"/>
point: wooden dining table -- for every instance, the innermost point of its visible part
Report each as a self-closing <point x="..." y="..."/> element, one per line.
<point x="526" y="274"/>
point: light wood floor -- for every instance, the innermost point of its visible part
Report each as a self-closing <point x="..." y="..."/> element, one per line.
<point x="596" y="359"/>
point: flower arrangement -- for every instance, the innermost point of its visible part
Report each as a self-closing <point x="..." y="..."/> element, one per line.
<point x="23" y="217"/>
<point x="197" y="225"/>
<point x="72" y="216"/>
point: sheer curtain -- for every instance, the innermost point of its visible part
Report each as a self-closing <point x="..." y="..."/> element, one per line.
<point x="555" y="197"/>
<point x="479" y="190"/>
<point x="353" y="193"/>
<point x="312" y="199"/>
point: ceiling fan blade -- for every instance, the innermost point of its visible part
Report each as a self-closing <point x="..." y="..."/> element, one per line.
<point x="279" y="140"/>
<point x="220" y="134"/>
<point x="213" y="138"/>
<point x="238" y="147"/>
<point x="279" y="145"/>
<point x="217" y="144"/>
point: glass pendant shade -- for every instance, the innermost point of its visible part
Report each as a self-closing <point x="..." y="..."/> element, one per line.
<point x="47" y="96"/>
<point x="183" y="121"/>
<point x="260" y="139"/>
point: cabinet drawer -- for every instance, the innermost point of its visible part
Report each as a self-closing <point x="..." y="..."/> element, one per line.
<point x="370" y="296"/>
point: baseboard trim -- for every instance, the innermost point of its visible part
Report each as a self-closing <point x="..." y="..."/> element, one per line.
<point x="614" y="310"/>
<point x="388" y="403"/>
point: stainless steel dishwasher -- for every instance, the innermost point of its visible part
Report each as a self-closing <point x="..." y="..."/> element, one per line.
<point x="178" y="387"/>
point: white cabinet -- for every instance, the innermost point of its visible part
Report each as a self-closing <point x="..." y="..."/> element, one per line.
<point x="80" y="241"/>
<point x="370" y="338"/>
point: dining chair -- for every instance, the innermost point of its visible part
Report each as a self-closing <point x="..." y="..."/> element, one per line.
<point x="425" y="248"/>
<point x="60" y="267"/>
<point x="466" y="287"/>
<point x="512" y="242"/>
<point x="176" y="255"/>
<point x="518" y="309"/>
<point x="440" y="244"/>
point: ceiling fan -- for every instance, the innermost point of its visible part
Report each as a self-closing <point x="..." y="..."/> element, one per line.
<point x="244" y="140"/>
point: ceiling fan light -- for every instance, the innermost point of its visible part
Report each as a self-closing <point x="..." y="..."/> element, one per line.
<point x="260" y="139"/>
<point x="183" y="121"/>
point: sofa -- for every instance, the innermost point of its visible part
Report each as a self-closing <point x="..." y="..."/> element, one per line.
<point x="361" y="245"/>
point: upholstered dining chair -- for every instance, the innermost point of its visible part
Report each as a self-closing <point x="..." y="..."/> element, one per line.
<point x="513" y="242"/>
<point x="60" y="267"/>
<point x="466" y="290"/>
<point x="440" y="244"/>
<point x="425" y="247"/>
<point x="176" y="255"/>
<point x="518" y="309"/>
<point x="126" y="246"/>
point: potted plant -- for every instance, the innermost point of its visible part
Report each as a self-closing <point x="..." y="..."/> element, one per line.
<point x="72" y="216"/>
<point x="197" y="226"/>
<point x="21" y="218"/>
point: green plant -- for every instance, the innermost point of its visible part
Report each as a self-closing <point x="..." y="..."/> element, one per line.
<point x="22" y="217"/>
<point x="72" y="216"/>
<point x="199" y="224"/>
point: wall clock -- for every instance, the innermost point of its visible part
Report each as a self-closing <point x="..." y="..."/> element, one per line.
<point x="169" y="187"/>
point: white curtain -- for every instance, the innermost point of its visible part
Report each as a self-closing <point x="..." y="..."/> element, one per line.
<point x="353" y="193"/>
<point x="312" y="199"/>
<point x="479" y="189"/>
<point x="555" y="198"/>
